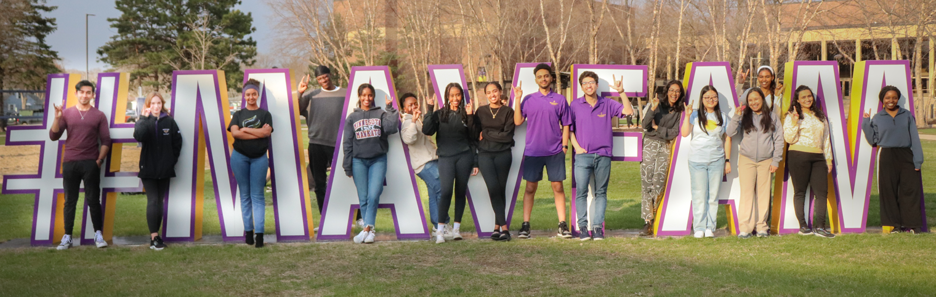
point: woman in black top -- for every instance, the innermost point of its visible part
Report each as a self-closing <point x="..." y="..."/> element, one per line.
<point x="162" y="143"/>
<point x="496" y="136"/>
<point x="661" y="125"/>
<point x="456" y="149"/>
<point x="251" y="128"/>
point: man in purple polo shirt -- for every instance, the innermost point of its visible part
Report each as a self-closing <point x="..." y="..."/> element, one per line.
<point x="592" y="138"/>
<point x="85" y="149"/>
<point x="547" y="141"/>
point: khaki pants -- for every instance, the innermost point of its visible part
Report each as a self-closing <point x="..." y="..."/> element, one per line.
<point x="755" y="195"/>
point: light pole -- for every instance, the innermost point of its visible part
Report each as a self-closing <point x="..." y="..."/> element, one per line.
<point x="87" y="72"/>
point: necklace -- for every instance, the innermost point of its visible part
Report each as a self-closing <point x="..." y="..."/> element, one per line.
<point x="82" y="114"/>
<point x="494" y="114"/>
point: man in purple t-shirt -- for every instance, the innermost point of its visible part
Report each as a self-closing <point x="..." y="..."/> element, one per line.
<point x="547" y="141"/>
<point x="85" y="149"/>
<point x="592" y="138"/>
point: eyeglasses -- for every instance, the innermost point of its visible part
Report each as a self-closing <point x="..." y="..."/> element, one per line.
<point x="710" y="98"/>
<point x="587" y="83"/>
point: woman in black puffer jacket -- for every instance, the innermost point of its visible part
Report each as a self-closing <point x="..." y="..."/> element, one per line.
<point x="162" y="144"/>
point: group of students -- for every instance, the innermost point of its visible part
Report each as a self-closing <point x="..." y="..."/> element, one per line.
<point x="470" y="140"/>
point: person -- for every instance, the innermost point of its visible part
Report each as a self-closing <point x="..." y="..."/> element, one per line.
<point x="452" y="126"/>
<point x="767" y="83"/>
<point x="661" y="125"/>
<point x="365" y="148"/>
<point x="593" y="139"/>
<point x="761" y="151"/>
<point x="809" y="158"/>
<point x="251" y="127"/>
<point x="708" y="162"/>
<point x="422" y="152"/>
<point x="162" y="144"/>
<point x="894" y="130"/>
<point x="322" y="109"/>
<point x="547" y="142"/>
<point x="495" y="140"/>
<point x="86" y="147"/>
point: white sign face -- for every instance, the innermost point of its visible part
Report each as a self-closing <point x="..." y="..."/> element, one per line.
<point x="675" y="215"/>
<point x="291" y="207"/>
<point x="628" y="146"/>
<point x="400" y="194"/>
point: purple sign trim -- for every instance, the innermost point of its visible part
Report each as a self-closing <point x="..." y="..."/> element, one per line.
<point x="334" y="168"/>
<point x="586" y="67"/>
<point x="296" y="151"/>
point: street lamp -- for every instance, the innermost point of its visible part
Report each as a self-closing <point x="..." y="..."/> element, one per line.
<point x="87" y="72"/>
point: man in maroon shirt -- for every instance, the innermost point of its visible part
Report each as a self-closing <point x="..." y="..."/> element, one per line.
<point x="85" y="149"/>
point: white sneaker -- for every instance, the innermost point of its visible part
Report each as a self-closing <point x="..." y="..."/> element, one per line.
<point x="315" y="230"/>
<point x="440" y="235"/>
<point x="370" y="237"/>
<point x="456" y="235"/>
<point x="699" y="234"/>
<point x="99" y="240"/>
<point x="360" y="223"/>
<point x="447" y="232"/>
<point x="66" y="243"/>
<point x="709" y="233"/>
<point x="360" y="237"/>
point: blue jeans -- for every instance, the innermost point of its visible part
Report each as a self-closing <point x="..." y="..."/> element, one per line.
<point x="251" y="178"/>
<point x="705" y="179"/>
<point x="430" y="175"/>
<point x="594" y="170"/>
<point x="369" y="175"/>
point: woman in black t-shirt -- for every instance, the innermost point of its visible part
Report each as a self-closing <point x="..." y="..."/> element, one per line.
<point x="251" y="128"/>
<point x="496" y="136"/>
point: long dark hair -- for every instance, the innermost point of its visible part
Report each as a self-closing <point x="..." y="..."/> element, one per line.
<point x="747" y="117"/>
<point x="444" y="116"/>
<point x="680" y="106"/>
<point x="360" y="90"/>
<point x="701" y="111"/>
<point x="816" y="106"/>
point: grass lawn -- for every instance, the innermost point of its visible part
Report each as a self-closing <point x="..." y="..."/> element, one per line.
<point x="929" y="131"/>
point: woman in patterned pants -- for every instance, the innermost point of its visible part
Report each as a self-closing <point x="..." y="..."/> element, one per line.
<point x="661" y="124"/>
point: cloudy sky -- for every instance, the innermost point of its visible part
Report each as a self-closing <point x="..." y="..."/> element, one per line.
<point x="69" y="39"/>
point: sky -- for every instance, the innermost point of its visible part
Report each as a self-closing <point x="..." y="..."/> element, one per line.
<point x="69" y="38"/>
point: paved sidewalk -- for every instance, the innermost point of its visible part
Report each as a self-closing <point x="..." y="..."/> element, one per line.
<point x="927" y="137"/>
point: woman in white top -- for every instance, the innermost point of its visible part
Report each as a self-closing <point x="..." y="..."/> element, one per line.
<point x="767" y="83"/>
<point x="707" y="163"/>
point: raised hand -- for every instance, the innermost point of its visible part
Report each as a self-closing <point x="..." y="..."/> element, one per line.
<point x="469" y="108"/>
<point x="794" y="114"/>
<point x="655" y="102"/>
<point x="388" y="102"/>
<point x="431" y="102"/>
<point x="867" y="114"/>
<point x="518" y="91"/>
<point x="740" y="110"/>
<point x="417" y="115"/>
<point x="303" y="84"/>
<point x="145" y="112"/>
<point x="743" y="75"/>
<point x="688" y="111"/>
<point x="58" y="110"/>
<point x="779" y="89"/>
<point x="618" y="85"/>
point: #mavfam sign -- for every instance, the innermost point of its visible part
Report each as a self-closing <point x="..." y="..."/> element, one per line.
<point x="199" y="104"/>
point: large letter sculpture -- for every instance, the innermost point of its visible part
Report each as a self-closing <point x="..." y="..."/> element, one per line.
<point x="853" y="158"/>
<point x="400" y="194"/>
<point x="627" y="145"/>
<point x="291" y="207"/>
<point x="48" y="220"/>
<point x="674" y="216"/>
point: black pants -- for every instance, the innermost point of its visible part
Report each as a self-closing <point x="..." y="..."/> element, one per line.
<point x="320" y="158"/>
<point x="899" y="186"/>
<point x="494" y="168"/>
<point x="454" y="172"/>
<point x="156" y="190"/>
<point x="809" y="169"/>
<point x="73" y="173"/>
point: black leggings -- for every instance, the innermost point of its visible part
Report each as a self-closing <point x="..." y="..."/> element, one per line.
<point x="494" y="168"/>
<point x="156" y="190"/>
<point x="454" y="172"/>
<point x="809" y="169"/>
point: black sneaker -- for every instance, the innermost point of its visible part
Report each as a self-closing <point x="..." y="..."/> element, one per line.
<point x="822" y="232"/>
<point x="647" y="229"/>
<point x="524" y="230"/>
<point x="564" y="230"/>
<point x="504" y="236"/>
<point x="249" y="237"/>
<point x="495" y="235"/>
<point x="598" y="234"/>
<point x="805" y="231"/>
<point x="157" y="244"/>
<point x="583" y="233"/>
<point x="259" y="240"/>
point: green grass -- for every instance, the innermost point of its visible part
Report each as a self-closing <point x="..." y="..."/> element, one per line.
<point x="928" y="131"/>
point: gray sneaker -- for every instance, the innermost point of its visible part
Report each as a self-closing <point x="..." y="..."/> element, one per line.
<point x="66" y="243"/>
<point x="822" y="232"/>
<point x="99" y="240"/>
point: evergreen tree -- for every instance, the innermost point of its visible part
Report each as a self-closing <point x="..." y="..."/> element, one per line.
<point x="25" y="58"/>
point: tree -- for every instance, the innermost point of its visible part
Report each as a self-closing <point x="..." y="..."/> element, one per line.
<point x="192" y="34"/>
<point x="25" y="58"/>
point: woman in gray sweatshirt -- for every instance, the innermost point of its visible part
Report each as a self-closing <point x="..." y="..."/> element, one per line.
<point x="761" y="151"/>
<point x="894" y="130"/>
<point x="365" y="153"/>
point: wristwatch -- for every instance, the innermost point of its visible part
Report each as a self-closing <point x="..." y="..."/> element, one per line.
<point x="727" y="160"/>
<point x="565" y="146"/>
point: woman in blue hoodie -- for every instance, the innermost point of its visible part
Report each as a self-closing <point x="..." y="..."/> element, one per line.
<point x="162" y="144"/>
<point x="894" y="130"/>
<point x="365" y="153"/>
